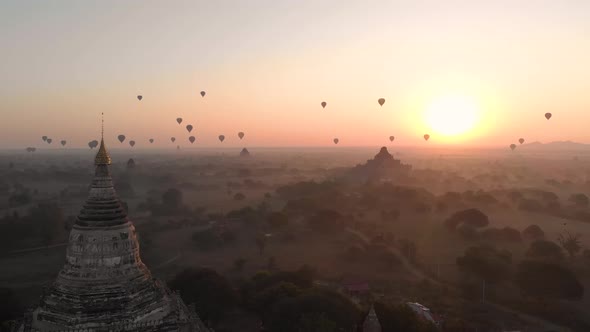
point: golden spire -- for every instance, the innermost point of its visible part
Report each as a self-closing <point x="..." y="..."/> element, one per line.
<point x="102" y="156"/>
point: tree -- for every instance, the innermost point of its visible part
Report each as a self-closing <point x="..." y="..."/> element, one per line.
<point x="533" y="232"/>
<point x="277" y="219"/>
<point x="261" y="243"/>
<point x="211" y="293"/>
<point x="571" y="243"/>
<point x="580" y="200"/>
<point x="471" y="217"/>
<point x="545" y="250"/>
<point x="401" y="318"/>
<point x="486" y="263"/>
<point x="326" y="221"/>
<point x="172" y="199"/>
<point x="10" y="306"/>
<point x="272" y="263"/>
<point x="239" y="264"/>
<point x="50" y="221"/>
<point x="239" y="197"/>
<point x="548" y="280"/>
<point x="506" y="234"/>
<point x="318" y="309"/>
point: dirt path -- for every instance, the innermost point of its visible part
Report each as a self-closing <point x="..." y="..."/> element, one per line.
<point x="421" y="275"/>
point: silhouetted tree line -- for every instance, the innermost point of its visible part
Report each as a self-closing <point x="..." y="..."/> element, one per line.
<point x="43" y="225"/>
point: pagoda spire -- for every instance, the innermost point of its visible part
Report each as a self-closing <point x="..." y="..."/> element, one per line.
<point x="102" y="156"/>
<point x="371" y="323"/>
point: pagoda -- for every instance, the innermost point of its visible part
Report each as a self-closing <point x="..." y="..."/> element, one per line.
<point x="104" y="285"/>
<point x="371" y="323"/>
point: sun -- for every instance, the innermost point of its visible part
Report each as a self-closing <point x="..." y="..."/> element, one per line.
<point x="452" y="115"/>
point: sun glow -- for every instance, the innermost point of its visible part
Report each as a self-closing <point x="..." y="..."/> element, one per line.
<point x="452" y="115"/>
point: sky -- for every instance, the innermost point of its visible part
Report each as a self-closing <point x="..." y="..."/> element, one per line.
<point x="267" y="65"/>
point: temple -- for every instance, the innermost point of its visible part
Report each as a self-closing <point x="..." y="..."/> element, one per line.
<point x="381" y="168"/>
<point x="104" y="285"/>
<point x="371" y="323"/>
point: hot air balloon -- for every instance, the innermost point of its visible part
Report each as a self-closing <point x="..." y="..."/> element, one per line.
<point x="93" y="144"/>
<point x="202" y="93"/>
<point x="512" y="146"/>
<point x="179" y="120"/>
<point x="192" y="139"/>
<point x="44" y="138"/>
<point x="90" y="144"/>
<point x="132" y="143"/>
<point x="241" y="135"/>
<point x="189" y="128"/>
<point x="391" y="138"/>
<point x="63" y="143"/>
<point x="151" y="140"/>
<point x="548" y="116"/>
<point x="49" y="140"/>
<point x="221" y="138"/>
<point x="324" y="104"/>
<point x="426" y="137"/>
<point x="521" y="140"/>
<point x="173" y="139"/>
<point x="121" y="138"/>
<point x="381" y="101"/>
<point x="336" y="141"/>
<point x="139" y="97"/>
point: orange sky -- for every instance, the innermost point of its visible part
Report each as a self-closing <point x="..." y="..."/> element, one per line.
<point x="267" y="66"/>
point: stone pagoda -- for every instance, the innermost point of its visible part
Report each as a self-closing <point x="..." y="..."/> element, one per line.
<point x="371" y="323"/>
<point x="104" y="285"/>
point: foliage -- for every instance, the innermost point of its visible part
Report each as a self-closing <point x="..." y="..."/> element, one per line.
<point x="50" y="221"/>
<point x="239" y="263"/>
<point x="401" y="318"/>
<point x="213" y="238"/>
<point x="331" y="311"/>
<point x="580" y="200"/>
<point x="326" y="221"/>
<point x="239" y="197"/>
<point x="172" y="198"/>
<point x="246" y="214"/>
<point x="305" y="189"/>
<point x="571" y="243"/>
<point x="486" y="263"/>
<point x="471" y="217"/>
<point x="506" y="234"/>
<point x="20" y="198"/>
<point x="277" y="219"/>
<point x="261" y="243"/>
<point x="545" y="250"/>
<point x="548" y="280"/>
<point x="211" y="293"/>
<point x="10" y="306"/>
<point x="533" y="232"/>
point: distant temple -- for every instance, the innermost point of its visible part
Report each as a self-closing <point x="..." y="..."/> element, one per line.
<point x="104" y="285"/>
<point x="371" y="323"/>
<point x="382" y="167"/>
<point x="244" y="153"/>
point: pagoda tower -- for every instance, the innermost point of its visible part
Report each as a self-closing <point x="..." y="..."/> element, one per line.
<point x="371" y="323"/>
<point x="104" y="285"/>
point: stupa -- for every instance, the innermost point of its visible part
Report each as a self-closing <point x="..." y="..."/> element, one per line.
<point x="371" y="323"/>
<point x="244" y="153"/>
<point x="104" y="285"/>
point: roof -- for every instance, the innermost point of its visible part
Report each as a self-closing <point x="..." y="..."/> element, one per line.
<point x="102" y="156"/>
